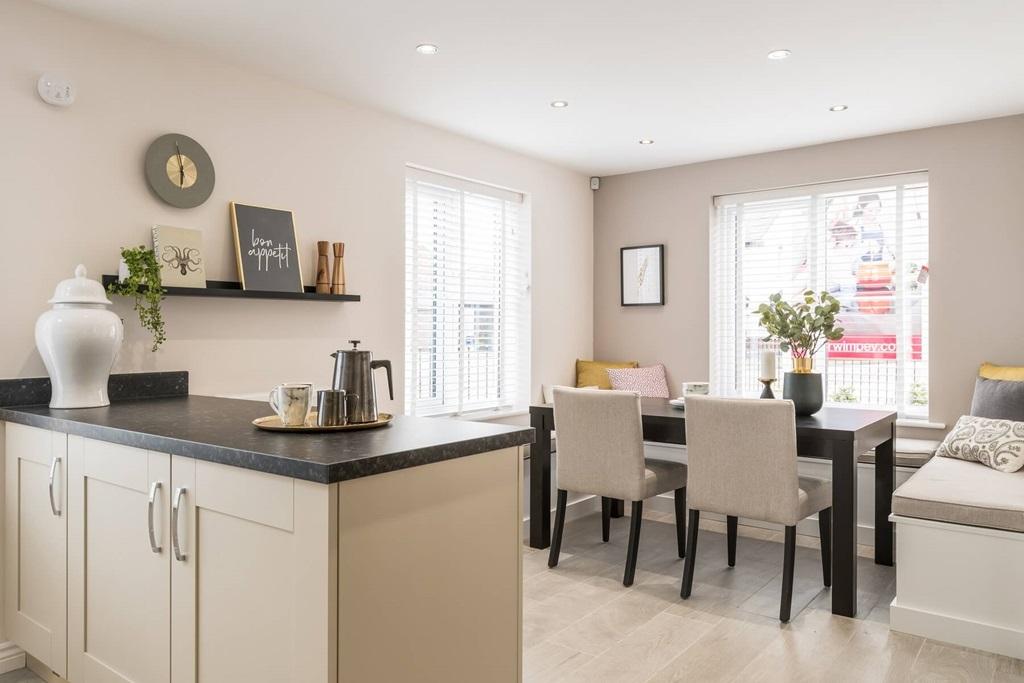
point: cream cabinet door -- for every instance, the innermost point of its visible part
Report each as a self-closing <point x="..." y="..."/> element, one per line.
<point x="35" y="543"/>
<point x="118" y="567"/>
<point x="254" y="599"/>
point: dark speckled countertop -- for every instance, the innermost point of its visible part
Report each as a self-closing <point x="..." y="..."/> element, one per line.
<point x="220" y="430"/>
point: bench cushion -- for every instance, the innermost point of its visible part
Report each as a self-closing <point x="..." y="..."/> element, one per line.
<point x="907" y="452"/>
<point x="961" y="492"/>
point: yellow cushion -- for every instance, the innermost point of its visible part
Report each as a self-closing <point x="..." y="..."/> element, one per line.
<point x="595" y="372"/>
<point x="1004" y="372"/>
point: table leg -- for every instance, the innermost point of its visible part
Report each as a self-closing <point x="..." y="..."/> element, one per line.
<point x="844" y="528"/>
<point x="540" y="482"/>
<point x="883" y="503"/>
<point x="618" y="507"/>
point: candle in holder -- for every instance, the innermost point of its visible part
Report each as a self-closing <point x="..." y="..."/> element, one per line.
<point x="768" y="370"/>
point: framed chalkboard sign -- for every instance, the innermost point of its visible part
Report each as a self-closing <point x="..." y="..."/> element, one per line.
<point x="266" y="249"/>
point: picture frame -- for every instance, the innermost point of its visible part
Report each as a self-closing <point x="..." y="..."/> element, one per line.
<point x="266" y="249"/>
<point x="180" y="253"/>
<point x="642" y="275"/>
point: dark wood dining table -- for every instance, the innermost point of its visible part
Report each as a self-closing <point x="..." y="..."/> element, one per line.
<point x="839" y="435"/>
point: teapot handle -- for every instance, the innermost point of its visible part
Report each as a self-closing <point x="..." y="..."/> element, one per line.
<point x="386" y="364"/>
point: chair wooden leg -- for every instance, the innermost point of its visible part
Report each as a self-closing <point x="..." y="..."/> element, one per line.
<point x="731" y="524"/>
<point x="825" y="532"/>
<point x="636" y="516"/>
<point x="691" y="553"/>
<point x="556" y="536"/>
<point x="681" y="521"/>
<point x="789" y="559"/>
<point x="606" y="518"/>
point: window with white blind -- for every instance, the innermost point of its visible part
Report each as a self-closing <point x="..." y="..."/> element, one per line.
<point x="865" y="242"/>
<point x="467" y="296"/>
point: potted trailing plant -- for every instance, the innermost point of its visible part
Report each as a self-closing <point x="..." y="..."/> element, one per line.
<point x="802" y="328"/>
<point x="142" y="282"/>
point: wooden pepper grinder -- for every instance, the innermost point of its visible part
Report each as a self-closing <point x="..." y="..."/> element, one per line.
<point x="338" y="278"/>
<point x="323" y="271"/>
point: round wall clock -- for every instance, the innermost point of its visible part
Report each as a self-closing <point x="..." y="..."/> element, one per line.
<point x="179" y="170"/>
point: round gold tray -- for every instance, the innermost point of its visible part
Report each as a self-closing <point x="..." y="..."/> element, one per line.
<point x="273" y="424"/>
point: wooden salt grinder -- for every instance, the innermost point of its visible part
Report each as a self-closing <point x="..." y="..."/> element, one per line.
<point x="323" y="271"/>
<point x="338" y="278"/>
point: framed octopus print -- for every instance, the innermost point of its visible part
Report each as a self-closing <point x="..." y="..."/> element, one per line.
<point x="179" y="251"/>
<point x="642" y="275"/>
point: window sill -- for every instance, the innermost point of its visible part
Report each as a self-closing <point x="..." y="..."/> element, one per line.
<point x="917" y="423"/>
<point x="488" y="415"/>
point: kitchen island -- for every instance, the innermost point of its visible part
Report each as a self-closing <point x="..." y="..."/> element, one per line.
<point x="170" y="540"/>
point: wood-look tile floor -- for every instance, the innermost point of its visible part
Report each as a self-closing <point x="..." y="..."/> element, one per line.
<point x="580" y="624"/>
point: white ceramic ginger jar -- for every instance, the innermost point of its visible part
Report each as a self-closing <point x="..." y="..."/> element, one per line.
<point x="79" y="339"/>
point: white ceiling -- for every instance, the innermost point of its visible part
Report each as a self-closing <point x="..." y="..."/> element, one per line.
<point x="690" y="74"/>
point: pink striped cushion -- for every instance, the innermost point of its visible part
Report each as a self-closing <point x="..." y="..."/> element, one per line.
<point x="649" y="381"/>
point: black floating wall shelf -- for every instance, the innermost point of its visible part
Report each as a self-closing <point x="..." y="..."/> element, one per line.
<point x="233" y="290"/>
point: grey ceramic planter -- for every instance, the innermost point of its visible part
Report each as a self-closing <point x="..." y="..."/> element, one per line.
<point x="805" y="391"/>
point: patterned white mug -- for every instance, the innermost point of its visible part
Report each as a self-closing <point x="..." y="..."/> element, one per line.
<point x="696" y="389"/>
<point x="291" y="402"/>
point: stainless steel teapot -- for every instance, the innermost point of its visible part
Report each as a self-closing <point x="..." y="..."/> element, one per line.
<point x="353" y="372"/>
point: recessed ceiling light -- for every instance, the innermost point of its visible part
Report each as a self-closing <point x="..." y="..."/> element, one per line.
<point x="779" y="54"/>
<point x="645" y="141"/>
<point x="838" y="107"/>
<point x="426" y="49"/>
<point x="559" y="104"/>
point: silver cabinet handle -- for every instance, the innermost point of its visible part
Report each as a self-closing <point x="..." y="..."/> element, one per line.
<point x="153" y="488"/>
<point x="178" y="555"/>
<point x="53" y="501"/>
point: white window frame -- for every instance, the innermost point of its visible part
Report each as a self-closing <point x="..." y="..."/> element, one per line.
<point x="513" y="293"/>
<point x="733" y="271"/>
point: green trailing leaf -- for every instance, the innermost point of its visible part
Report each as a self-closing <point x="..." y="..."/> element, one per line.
<point x="801" y="328"/>
<point x="144" y="285"/>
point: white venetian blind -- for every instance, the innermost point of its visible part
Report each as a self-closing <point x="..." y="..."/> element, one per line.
<point x="864" y="241"/>
<point x="467" y="296"/>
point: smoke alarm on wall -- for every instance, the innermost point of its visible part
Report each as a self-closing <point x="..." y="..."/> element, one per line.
<point x="56" y="89"/>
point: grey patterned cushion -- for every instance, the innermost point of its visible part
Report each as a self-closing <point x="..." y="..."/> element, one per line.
<point x="996" y="443"/>
<point x="998" y="399"/>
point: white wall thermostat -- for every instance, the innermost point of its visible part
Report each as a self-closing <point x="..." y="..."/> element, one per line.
<point x="56" y="89"/>
<point x="595" y="183"/>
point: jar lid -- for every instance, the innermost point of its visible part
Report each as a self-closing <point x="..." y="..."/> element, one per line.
<point x="79" y="290"/>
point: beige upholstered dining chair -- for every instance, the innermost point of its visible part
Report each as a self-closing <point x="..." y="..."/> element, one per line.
<point x="601" y="452"/>
<point x="742" y="463"/>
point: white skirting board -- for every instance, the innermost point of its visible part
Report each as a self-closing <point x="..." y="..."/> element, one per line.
<point x="12" y="657"/>
<point x="959" y="584"/>
<point x="581" y="505"/>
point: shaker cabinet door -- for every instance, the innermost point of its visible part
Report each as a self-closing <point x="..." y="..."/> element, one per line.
<point x="251" y="577"/>
<point x="35" y="543"/>
<point x="118" y="569"/>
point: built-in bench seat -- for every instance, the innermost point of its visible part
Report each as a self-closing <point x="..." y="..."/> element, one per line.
<point x="906" y="452"/>
<point x="948" y="490"/>
<point x="960" y="556"/>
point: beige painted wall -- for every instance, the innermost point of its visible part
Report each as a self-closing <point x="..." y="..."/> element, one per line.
<point x="72" y="190"/>
<point x="977" y="240"/>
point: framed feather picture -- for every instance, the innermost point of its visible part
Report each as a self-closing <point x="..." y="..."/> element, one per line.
<point x="642" y="275"/>
<point x="179" y="251"/>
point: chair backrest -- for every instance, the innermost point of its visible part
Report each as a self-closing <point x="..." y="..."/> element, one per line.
<point x="741" y="455"/>
<point x="599" y="442"/>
